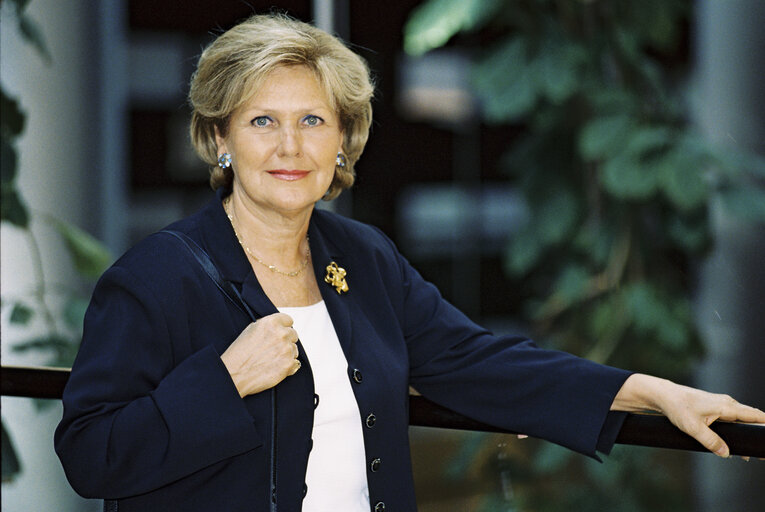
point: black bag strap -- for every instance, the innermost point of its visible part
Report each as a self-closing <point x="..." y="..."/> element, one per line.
<point x="230" y="291"/>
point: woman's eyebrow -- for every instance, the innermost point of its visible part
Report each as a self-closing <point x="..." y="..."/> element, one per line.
<point x="299" y="109"/>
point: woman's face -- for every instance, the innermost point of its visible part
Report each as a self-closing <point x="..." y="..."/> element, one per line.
<point x="283" y="143"/>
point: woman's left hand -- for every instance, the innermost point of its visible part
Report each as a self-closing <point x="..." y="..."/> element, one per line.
<point x="689" y="409"/>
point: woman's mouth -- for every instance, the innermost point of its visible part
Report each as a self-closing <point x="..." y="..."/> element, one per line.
<point x="288" y="175"/>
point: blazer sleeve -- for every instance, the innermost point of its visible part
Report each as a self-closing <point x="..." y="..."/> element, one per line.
<point x="134" y="418"/>
<point x="505" y="381"/>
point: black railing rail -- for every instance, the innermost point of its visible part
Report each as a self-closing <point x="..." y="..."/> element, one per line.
<point x="638" y="429"/>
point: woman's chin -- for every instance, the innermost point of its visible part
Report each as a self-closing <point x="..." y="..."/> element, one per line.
<point x="295" y="203"/>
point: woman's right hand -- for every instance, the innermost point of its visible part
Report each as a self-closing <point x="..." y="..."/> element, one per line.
<point x="263" y="355"/>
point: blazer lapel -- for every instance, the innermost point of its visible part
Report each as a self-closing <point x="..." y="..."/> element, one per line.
<point x="255" y="297"/>
<point x="324" y="252"/>
<point x="221" y="243"/>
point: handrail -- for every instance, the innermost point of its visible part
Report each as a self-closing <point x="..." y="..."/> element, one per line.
<point x="33" y="381"/>
<point x="638" y="429"/>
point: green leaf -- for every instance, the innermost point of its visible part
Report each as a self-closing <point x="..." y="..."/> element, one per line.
<point x="21" y="314"/>
<point x="11" y="467"/>
<point x="572" y="284"/>
<point x="604" y="136"/>
<point x="628" y="44"/>
<point x="433" y="23"/>
<point x="658" y="22"/>
<point x="681" y="177"/>
<point x="8" y="162"/>
<point x="460" y="462"/>
<point x="611" y="101"/>
<point x="65" y="356"/>
<point x="659" y="314"/>
<point x="595" y="241"/>
<point x="556" y="216"/>
<point x="11" y="116"/>
<point x="634" y="172"/>
<point x="51" y="342"/>
<point x="12" y="208"/>
<point x="63" y="349"/>
<point x="691" y="234"/>
<point x="34" y="36"/>
<point x="90" y="257"/>
<point x="524" y="251"/>
<point x="624" y="177"/>
<point x="20" y="5"/>
<point x="556" y="68"/>
<point x="505" y="82"/>
<point x="745" y="202"/>
<point x="74" y="312"/>
<point x="608" y="314"/>
<point x="550" y="458"/>
<point x="649" y="139"/>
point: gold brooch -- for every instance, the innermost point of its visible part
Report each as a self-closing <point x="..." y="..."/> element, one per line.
<point x="336" y="277"/>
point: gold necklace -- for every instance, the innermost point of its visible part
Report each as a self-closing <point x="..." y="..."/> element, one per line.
<point x="272" y="268"/>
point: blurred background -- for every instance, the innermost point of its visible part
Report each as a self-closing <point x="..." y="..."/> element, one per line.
<point x="587" y="172"/>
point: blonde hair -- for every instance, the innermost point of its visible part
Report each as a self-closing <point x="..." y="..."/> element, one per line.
<point x="236" y="63"/>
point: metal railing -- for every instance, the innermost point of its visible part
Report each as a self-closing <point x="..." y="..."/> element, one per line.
<point x="639" y="429"/>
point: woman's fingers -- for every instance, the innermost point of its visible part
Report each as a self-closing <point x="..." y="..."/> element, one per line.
<point x="744" y="413"/>
<point x="710" y="440"/>
<point x="263" y="355"/>
<point x="280" y="318"/>
<point x="696" y="410"/>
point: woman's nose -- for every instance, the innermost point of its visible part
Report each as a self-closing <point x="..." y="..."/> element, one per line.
<point x="289" y="142"/>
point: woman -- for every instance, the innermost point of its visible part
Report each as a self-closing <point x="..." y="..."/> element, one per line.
<point x="178" y="400"/>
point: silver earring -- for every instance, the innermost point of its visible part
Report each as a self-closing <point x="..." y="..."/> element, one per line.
<point x="224" y="160"/>
<point x="340" y="160"/>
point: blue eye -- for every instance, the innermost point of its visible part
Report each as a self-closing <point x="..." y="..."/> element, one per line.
<point x="261" y="121"/>
<point x="312" y="120"/>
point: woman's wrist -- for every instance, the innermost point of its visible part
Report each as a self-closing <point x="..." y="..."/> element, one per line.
<point x="642" y="392"/>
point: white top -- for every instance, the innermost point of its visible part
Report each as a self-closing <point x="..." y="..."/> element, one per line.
<point x="336" y="475"/>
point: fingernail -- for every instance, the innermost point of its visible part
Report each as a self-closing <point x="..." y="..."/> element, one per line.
<point x="723" y="452"/>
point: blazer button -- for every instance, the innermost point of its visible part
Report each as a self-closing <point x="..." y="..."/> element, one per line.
<point x="380" y="507"/>
<point x="371" y="419"/>
<point x="315" y="400"/>
<point x="357" y="375"/>
<point x="305" y="490"/>
<point x="375" y="466"/>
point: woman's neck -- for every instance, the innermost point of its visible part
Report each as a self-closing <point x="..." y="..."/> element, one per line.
<point x="271" y="238"/>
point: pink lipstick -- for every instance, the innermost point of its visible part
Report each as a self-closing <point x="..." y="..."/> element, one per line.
<point x="288" y="175"/>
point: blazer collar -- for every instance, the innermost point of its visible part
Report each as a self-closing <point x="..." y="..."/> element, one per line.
<point x="220" y="242"/>
<point x="325" y="250"/>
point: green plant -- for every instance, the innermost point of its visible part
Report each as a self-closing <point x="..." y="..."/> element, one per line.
<point x="62" y="324"/>
<point x="619" y="187"/>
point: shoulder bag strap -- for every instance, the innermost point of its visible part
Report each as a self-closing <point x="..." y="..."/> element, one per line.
<point x="230" y="291"/>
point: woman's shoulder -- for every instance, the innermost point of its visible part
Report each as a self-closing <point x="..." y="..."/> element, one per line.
<point x="344" y="231"/>
<point x="360" y="244"/>
<point x="160" y="256"/>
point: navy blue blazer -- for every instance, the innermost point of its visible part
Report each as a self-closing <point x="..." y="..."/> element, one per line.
<point x="153" y="420"/>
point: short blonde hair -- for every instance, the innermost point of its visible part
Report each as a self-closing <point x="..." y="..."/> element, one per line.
<point x="233" y="66"/>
